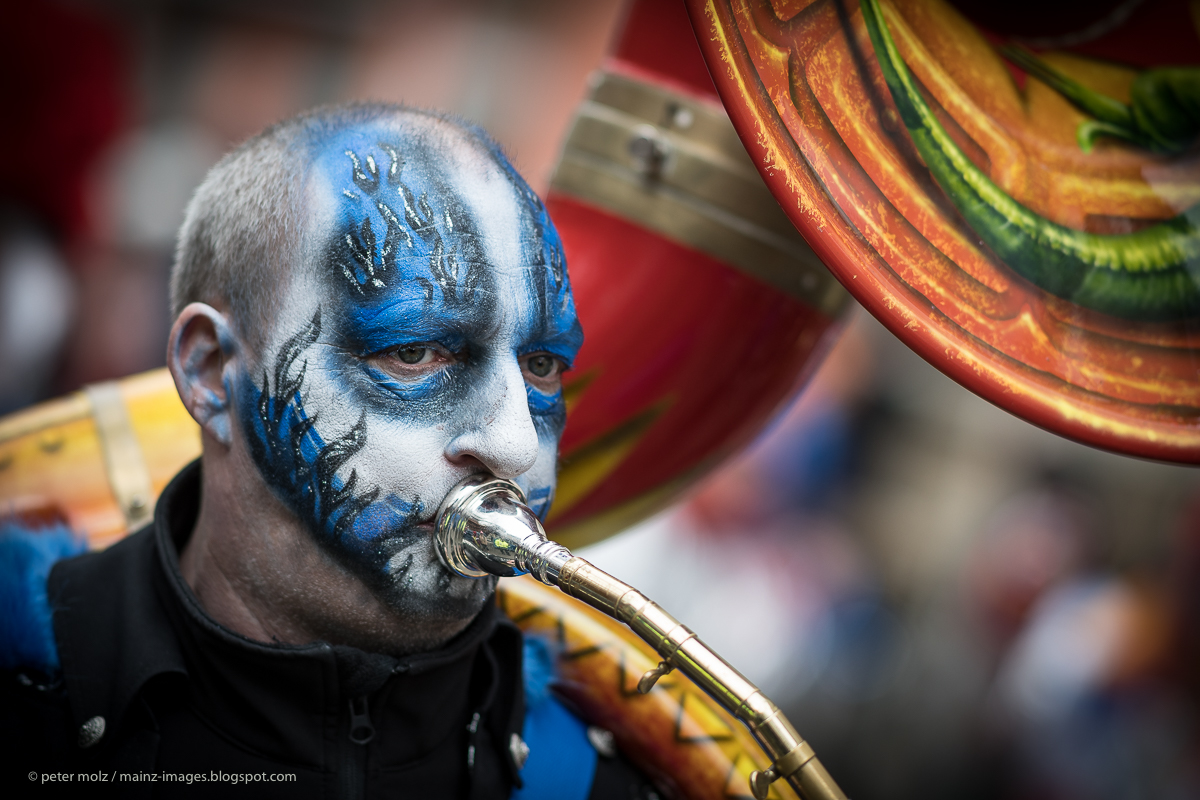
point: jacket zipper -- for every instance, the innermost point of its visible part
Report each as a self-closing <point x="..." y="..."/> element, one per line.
<point x="352" y="765"/>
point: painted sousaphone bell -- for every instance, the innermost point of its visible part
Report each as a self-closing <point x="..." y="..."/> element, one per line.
<point x="1028" y="223"/>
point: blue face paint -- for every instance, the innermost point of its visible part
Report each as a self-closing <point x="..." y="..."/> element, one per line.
<point x="416" y="258"/>
<point x="422" y="238"/>
<point x="304" y="467"/>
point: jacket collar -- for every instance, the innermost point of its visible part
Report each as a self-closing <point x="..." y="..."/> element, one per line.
<point x="113" y="634"/>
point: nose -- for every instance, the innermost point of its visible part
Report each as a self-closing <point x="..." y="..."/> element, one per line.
<point x="497" y="429"/>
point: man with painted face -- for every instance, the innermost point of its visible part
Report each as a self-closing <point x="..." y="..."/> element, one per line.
<point x="370" y="305"/>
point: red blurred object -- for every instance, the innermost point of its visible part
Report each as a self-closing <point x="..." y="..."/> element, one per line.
<point x="686" y="355"/>
<point x="684" y="352"/>
<point x="658" y="39"/>
<point x="61" y="73"/>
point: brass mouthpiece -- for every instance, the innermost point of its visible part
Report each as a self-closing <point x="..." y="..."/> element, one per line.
<point x="485" y="528"/>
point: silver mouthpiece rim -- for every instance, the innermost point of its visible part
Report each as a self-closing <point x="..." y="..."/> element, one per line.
<point x="484" y="527"/>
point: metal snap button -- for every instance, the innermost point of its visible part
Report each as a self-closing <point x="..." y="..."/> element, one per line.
<point x="91" y="731"/>
<point x="519" y="750"/>
<point x="604" y="742"/>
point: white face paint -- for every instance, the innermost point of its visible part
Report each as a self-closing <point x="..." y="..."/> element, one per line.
<point x="422" y="339"/>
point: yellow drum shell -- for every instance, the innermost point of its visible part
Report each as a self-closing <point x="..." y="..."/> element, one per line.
<point x="96" y="459"/>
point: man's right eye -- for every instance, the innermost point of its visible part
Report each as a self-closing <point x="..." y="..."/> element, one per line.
<point x="415" y="355"/>
<point x="412" y="361"/>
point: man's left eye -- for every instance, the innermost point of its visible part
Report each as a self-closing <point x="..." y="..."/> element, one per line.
<point x="544" y="371"/>
<point x="541" y="365"/>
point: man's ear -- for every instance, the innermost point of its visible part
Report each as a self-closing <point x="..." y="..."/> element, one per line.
<point x="200" y="347"/>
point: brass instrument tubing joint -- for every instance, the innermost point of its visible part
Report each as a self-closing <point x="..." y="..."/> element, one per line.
<point x="785" y="767"/>
<point x="647" y="681"/>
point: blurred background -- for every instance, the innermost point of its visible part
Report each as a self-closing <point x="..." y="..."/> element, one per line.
<point x="946" y="600"/>
<point x="116" y="109"/>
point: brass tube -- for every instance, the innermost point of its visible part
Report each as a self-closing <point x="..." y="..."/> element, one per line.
<point x="792" y="757"/>
<point x="478" y="534"/>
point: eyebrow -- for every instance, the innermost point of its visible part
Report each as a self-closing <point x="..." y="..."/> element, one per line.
<point x="566" y="345"/>
<point x="373" y="327"/>
<point x="557" y="333"/>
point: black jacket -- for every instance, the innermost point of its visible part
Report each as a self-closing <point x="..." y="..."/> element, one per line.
<point x="157" y="699"/>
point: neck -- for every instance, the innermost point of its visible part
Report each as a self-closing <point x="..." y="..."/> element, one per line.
<point x="258" y="572"/>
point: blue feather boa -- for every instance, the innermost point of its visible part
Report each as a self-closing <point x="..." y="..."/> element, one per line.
<point x="26" y="629"/>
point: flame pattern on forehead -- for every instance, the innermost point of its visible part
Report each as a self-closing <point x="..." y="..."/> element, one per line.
<point x="371" y="265"/>
<point x="420" y="239"/>
<point x="403" y="225"/>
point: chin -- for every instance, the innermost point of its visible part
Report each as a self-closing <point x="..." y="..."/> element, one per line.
<point x="414" y="582"/>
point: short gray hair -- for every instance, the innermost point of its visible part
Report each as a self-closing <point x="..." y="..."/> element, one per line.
<point x="241" y="231"/>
